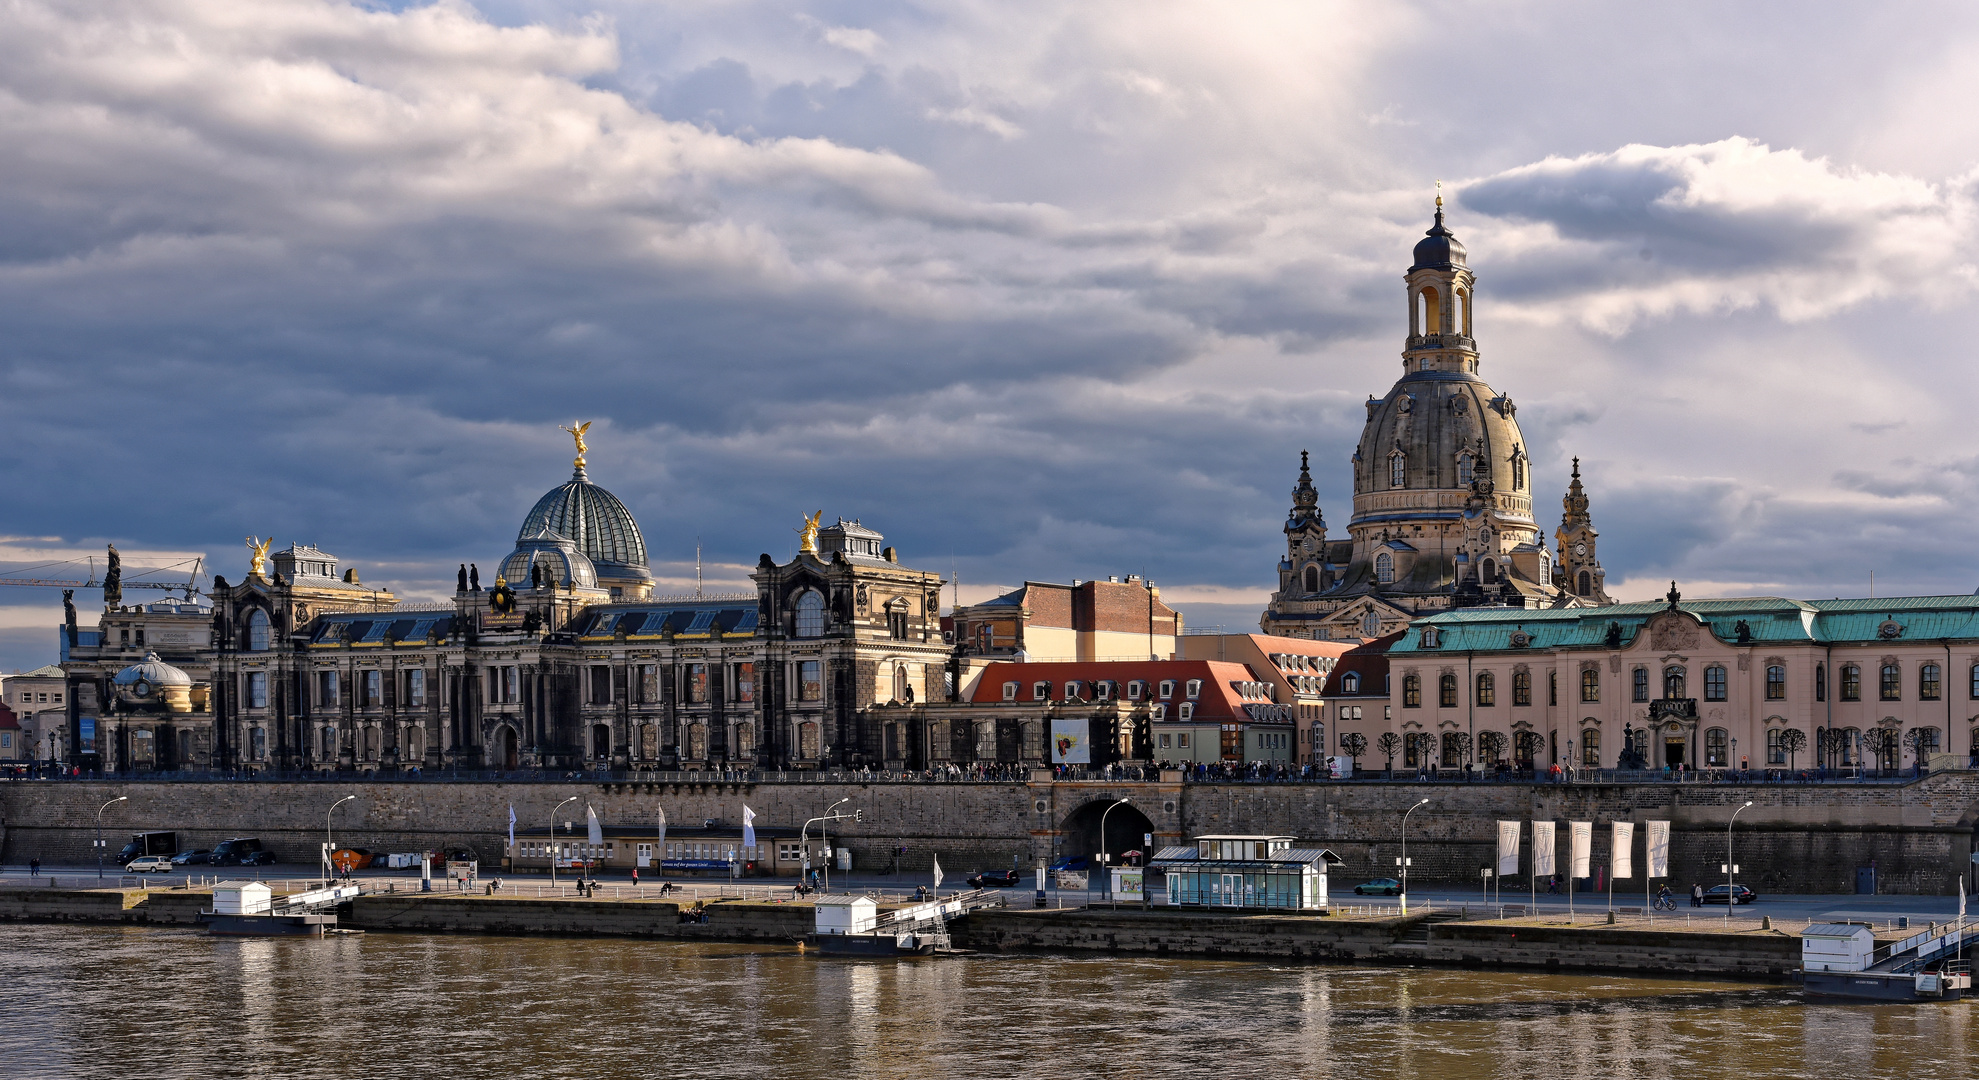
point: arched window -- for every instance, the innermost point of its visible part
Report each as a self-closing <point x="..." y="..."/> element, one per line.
<point x="1312" y="579"/>
<point x="1398" y="469"/>
<point x="1673" y="682"/>
<point x="1590" y="685"/>
<point x="1851" y="683"/>
<point x="900" y="685"/>
<point x="1639" y="690"/>
<point x="1892" y="682"/>
<point x="257" y="631"/>
<point x="1464" y="467"/>
<point x="1521" y="688"/>
<point x="1446" y="692"/>
<point x="1487" y="689"/>
<point x="1411" y="691"/>
<point x="1432" y="311"/>
<point x="1585" y="584"/>
<point x="1715" y="751"/>
<point x="1488" y="572"/>
<point x="1714" y="683"/>
<point x="1464" y="312"/>
<point x="1384" y="568"/>
<point x="1776" y="682"/>
<point x="810" y="615"/>
<point x="1929" y="683"/>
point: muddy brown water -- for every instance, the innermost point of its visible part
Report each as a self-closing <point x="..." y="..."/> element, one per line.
<point x="143" y="1002"/>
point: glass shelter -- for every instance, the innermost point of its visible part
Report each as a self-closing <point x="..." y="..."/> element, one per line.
<point x="1246" y="872"/>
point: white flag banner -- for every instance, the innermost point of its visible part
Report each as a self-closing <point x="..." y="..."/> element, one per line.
<point x="1508" y="848"/>
<point x="1656" y="848"/>
<point x="937" y="871"/>
<point x="663" y="832"/>
<point x="1580" y="842"/>
<point x="748" y="827"/>
<point x="592" y="826"/>
<point x="511" y="825"/>
<point x="1542" y="849"/>
<point x="1961" y="898"/>
<point x="1621" y="860"/>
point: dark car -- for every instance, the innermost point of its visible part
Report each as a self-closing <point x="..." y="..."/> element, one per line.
<point x="1717" y="893"/>
<point x="1001" y="879"/>
<point x="1379" y="887"/>
<point x="193" y="858"/>
<point x="238" y="851"/>
<point x="1076" y="864"/>
<point x="258" y="858"/>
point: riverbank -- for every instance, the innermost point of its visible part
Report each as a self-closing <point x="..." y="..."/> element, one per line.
<point x="1635" y="946"/>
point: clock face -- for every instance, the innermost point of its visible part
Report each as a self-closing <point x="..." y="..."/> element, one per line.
<point x="1580" y="548"/>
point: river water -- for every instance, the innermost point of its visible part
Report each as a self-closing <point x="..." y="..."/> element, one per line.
<point x="91" y="1001"/>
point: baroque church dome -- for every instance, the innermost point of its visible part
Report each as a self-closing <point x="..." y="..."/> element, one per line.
<point x="592" y="519"/>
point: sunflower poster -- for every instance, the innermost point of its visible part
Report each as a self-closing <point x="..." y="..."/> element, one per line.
<point x="1069" y="743"/>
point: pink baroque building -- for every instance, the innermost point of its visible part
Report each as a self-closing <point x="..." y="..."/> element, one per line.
<point x="1757" y="683"/>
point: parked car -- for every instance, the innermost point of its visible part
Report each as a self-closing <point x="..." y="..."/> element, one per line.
<point x="1077" y="864"/>
<point x="237" y="851"/>
<point x="149" y="864"/>
<point x="1379" y="887"/>
<point x="258" y="858"/>
<point x="1716" y="894"/>
<point x="193" y="858"/>
<point x="1000" y="879"/>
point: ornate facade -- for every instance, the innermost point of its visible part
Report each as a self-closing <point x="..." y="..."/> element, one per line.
<point x="1443" y="508"/>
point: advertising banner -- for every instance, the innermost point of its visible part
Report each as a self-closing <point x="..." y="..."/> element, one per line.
<point x="1127" y="884"/>
<point x="1340" y="768"/>
<point x="1656" y="848"/>
<point x="1508" y="848"/>
<point x="1069" y="743"/>
<point x="1621" y="862"/>
<point x="1542" y="849"/>
<point x="1581" y="845"/>
<point x="86" y="735"/>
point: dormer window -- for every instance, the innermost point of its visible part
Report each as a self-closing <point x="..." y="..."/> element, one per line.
<point x="1384" y="568"/>
<point x="1010" y="691"/>
<point x="1350" y="683"/>
<point x="1188" y="711"/>
<point x="1167" y="688"/>
<point x="1071" y="690"/>
<point x="1194" y="689"/>
<point x="1135" y="689"/>
<point x="1104" y="689"/>
<point x="1040" y="691"/>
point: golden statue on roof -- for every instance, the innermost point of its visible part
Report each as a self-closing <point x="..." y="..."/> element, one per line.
<point x="807" y="537"/>
<point x="577" y="431"/>
<point x="257" y="557"/>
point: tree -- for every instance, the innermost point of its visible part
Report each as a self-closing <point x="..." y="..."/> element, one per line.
<point x="1390" y="744"/>
<point x="1462" y="741"/>
<point x="1529" y="743"/>
<point x="1882" y="742"/>
<point x="1920" y="740"/>
<point x="1355" y="744"/>
<point x="1793" y="741"/>
<point x="1491" y="746"/>
<point x="1424" y="744"/>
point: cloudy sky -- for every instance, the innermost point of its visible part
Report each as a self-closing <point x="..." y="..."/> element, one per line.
<point x="1038" y="290"/>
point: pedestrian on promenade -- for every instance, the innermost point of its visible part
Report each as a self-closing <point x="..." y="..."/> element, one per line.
<point x="1697" y="896"/>
<point x="34" y="867"/>
<point x="635" y="875"/>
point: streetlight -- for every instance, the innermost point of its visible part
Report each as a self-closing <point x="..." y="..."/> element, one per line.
<point x="1104" y="869"/>
<point x="1731" y="894"/>
<point x="553" y="839"/>
<point x="1404" y="860"/>
<point x="803" y="839"/>
<point x="330" y="845"/>
<point x="99" y="833"/>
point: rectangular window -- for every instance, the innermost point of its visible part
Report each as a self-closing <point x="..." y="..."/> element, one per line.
<point x="1820" y="682"/>
<point x="1552" y="688"/>
<point x="1714" y="683"/>
<point x="257" y="689"/>
<point x="1194" y="689"/>
<point x="1041" y="691"/>
<point x="1641" y="685"/>
<point x="258" y="743"/>
<point x="1891" y="683"/>
<point x="329" y="742"/>
<point x="1164" y="741"/>
<point x="601" y="686"/>
<point x="697" y="683"/>
<point x="1522" y="688"/>
<point x="1182" y="741"/>
<point x="1776" y="683"/>
<point x="415" y="688"/>
<point x="1776" y="751"/>
<point x="810" y="680"/>
<point x="1168" y="688"/>
<point x="649" y="684"/>
<point x="511" y="684"/>
<point x="373" y="694"/>
<point x="1929" y="684"/>
<point x="328" y="692"/>
<point x="1851" y="683"/>
<point x="1590" y="685"/>
<point x="1010" y="691"/>
<point x="745" y="681"/>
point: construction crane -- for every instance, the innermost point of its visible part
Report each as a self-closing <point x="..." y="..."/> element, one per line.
<point x="190" y="587"/>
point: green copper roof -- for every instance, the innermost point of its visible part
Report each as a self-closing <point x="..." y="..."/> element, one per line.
<point x="1770" y="620"/>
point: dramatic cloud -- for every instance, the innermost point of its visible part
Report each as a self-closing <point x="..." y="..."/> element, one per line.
<point x="1040" y="290"/>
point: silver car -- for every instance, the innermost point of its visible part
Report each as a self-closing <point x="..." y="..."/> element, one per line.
<point x="149" y="864"/>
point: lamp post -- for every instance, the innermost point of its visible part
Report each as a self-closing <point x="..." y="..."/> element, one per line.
<point x="1731" y="893"/>
<point x="99" y="832"/>
<point x="804" y="839"/>
<point x="553" y="839"/>
<point x="330" y="845"/>
<point x="1104" y="867"/>
<point x="1405" y="852"/>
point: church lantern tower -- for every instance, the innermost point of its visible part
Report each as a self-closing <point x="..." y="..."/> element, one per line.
<point x="1580" y="569"/>
<point x="1305" y="570"/>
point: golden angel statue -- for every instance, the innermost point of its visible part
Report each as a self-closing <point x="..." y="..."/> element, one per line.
<point x="258" y="555"/>
<point x="807" y="537"/>
<point x="577" y="431"/>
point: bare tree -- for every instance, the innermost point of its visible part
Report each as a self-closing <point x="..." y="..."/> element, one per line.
<point x="1920" y="740"/>
<point x="1491" y="746"/>
<point x="1529" y="743"/>
<point x="1355" y="744"/>
<point x="1390" y="744"/>
<point x="1882" y="742"/>
<point x="1793" y="741"/>
<point x="1462" y="741"/>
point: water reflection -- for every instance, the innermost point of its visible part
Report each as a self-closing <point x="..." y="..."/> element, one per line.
<point x="122" y="1002"/>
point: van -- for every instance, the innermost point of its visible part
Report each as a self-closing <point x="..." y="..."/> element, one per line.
<point x="242" y="851"/>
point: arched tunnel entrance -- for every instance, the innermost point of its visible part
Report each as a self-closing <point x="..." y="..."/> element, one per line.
<point x="1126" y="829"/>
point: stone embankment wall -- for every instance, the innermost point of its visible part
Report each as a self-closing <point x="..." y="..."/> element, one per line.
<point x="1795" y="838"/>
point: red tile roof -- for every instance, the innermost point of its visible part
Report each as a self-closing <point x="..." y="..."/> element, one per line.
<point x="1221" y="700"/>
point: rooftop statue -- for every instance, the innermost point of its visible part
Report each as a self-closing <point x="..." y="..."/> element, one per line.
<point x="257" y="558"/>
<point x="807" y="537"/>
<point x="577" y="431"/>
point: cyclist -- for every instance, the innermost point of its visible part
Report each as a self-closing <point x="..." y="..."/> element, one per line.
<point x="1664" y="900"/>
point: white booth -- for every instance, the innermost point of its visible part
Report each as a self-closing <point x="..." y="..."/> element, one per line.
<point x="846" y="914"/>
<point x="1836" y="947"/>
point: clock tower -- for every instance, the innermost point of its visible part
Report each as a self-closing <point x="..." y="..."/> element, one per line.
<point x="1581" y="572"/>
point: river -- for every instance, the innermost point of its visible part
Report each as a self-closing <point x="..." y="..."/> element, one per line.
<point x="116" y="1002"/>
